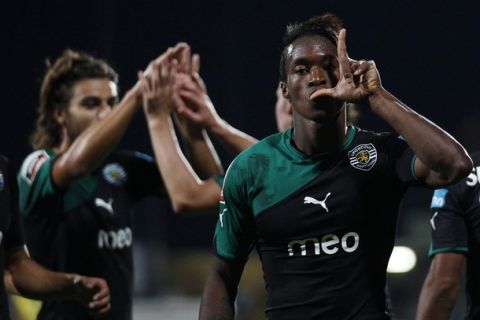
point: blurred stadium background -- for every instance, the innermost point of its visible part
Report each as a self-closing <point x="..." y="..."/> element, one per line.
<point x="427" y="53"/>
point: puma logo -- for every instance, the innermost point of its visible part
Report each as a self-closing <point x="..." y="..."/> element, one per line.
<point x="311" y="200"/>
<point x="99" y="202"/>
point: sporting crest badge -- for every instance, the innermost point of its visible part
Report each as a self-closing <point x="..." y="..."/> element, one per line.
<point x="363" y="157"/>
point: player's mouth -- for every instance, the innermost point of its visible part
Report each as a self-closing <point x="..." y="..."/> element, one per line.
<point x="317" y="93"/>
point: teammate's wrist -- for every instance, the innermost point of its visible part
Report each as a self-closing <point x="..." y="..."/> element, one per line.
<point x="218" y="127"/>
<point x="157" y="120"/>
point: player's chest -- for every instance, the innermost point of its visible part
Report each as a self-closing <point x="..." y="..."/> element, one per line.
<point x="338" y="199"/>
<point x="93" y="201"/>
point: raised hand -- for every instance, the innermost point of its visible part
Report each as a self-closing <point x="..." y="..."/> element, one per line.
<point x="158" y="88"/>
<point x="357" y="79"/>
<point x="195" y="106"/>
<point x="92" y="293"/>
<point x="172" y="53"/>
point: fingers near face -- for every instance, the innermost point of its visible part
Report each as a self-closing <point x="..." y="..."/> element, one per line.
<point x="343" y="60"/>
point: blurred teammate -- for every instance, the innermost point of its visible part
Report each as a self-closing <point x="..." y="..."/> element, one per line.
<point x="320" y="201"/>
<point x="455" y="238"/>
<point x="25" y="277"/>
<point x="76" y="192"/>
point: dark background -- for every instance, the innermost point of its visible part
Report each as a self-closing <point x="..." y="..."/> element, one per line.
<point x="427" y="53"/>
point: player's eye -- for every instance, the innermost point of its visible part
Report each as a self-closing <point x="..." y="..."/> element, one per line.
<point x="112" y="101"/>
<point x="91" y="102"/>
<point x="300" y="70"/>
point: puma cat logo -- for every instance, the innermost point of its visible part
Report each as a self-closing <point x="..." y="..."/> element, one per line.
<point x="322" y="203"/>
<point x="99" y="202"/>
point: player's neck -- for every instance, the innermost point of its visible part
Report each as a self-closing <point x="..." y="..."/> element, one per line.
<point x="64" y="143"/>
<point x="314" y="138"/>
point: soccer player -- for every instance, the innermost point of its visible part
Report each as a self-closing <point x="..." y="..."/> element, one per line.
<point x="75" y="192"/>
<point x="320" y="201"/>
<point x="455" y="238"/>
<point x="25" y="277"/>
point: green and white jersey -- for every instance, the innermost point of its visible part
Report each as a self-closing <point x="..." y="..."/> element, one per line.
<point x="323" y="226"/>
<point x="86" y="228"/>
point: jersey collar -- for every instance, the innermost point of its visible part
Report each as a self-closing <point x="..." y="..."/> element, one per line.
<point x="288" y="145"/>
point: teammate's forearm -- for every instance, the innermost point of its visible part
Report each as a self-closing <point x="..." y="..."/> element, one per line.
<point x="181" y="182"/>
<point x="203" y="156"/>
<point x="436" y="148"/>
<point x="96" y="142"/>
<point x="233" y="139"/>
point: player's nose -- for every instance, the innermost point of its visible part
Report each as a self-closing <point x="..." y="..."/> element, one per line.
<point x="317" y="76"/>
<point x="103" y="110"/>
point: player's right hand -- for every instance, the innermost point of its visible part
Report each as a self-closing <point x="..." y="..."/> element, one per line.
<point x="94" y="294"/>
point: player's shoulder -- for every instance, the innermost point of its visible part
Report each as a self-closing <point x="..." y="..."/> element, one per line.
<point x="377" y="136"/>
<point x="250" y="160"/>
<point x="268" y="144"/>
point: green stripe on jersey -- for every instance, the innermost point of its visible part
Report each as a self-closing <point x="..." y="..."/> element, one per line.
<point x="273" y="161"/>
<point x="459" y="249"/>
<point x="79" y="192"/>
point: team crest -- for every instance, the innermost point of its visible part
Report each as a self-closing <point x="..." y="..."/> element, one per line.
<point x="363" y="157"/>
<point x="115" y="174"/>
<point x="2" y="181"/>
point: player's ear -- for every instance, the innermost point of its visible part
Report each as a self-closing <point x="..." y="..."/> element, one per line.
<point x="283" y="87"/>
<point x="59" y="115"/>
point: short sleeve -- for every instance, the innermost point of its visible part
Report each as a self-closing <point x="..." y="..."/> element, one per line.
<point x="449" y="232"/>
<point x="234" y="234"/>
<point x="35" y="180"/>
<point x="400" y="158"/>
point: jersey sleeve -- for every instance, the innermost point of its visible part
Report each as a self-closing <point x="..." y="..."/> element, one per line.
<point x="234" y="234"/>
<point x="400" y="158"/>
<point x="144" y="176"/>
<point x="13" y="239"/>
<point x="35" y="180"/>
<point x="449" y="232"/>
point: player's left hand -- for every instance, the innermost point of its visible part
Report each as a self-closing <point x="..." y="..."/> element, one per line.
<point x="158" y="89"/>
<point x="196" y="106"/>
<point x="92" y="293"/>
<point x="357" y="79"/>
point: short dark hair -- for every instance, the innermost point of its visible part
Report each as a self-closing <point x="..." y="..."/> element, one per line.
<point x="327" y="25"/>
<point x="56" y="92"/>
